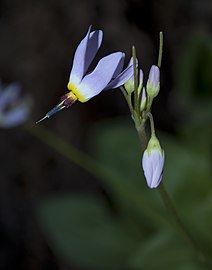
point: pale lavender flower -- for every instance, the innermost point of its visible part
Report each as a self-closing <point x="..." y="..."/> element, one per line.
<point x="153" y="83"/>
<point x="14" y="109"/>
<point x="108" y="73"/>
<point x="153" y="162"/>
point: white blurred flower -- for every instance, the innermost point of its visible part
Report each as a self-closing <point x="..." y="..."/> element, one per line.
<point x="14" y="109"/>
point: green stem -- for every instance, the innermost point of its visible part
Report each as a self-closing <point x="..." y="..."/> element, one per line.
<point x="172" y="210"/>
<point x="151" y="123"/>
<point x="122" y="192"/>
<point x="160" y="49"/>
<point x="136" y="99"/>
<point x="128" y="99"/>
<point x="149" y="104"/>
<point x="142" y="135"/>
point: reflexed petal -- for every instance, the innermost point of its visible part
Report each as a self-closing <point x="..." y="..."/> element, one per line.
<point x="131" y="62"/>
<point x="95" y="82"/>
<point x="121" y="79"/>
<point x="94" y="43"/>
<point x="119" y="67"/>
<point x="84" y="55"/>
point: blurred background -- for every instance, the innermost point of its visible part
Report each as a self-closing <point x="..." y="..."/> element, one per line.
<point x="55" y="214"/>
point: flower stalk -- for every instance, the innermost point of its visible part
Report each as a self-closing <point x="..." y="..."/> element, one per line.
<point x="139" y="118"/>
<point x="202" y="257"/>
<point x="135" y="71"/>
<point x="160" y="55"/>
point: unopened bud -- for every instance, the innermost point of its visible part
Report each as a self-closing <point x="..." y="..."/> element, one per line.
<point x="129" y="85"/>
<point x="140" y="84"/>
<point x="153" y="83"/>
<point x="143" y="100"/>
<point x="153" y="162"/>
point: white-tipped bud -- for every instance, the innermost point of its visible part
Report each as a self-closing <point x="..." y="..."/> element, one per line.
<point x="140" y="84"/>
<point x="153" y="162"/>
<point x="129" y="85"/>
<point x="153" y="83"/>
<point x="143" y="100"/>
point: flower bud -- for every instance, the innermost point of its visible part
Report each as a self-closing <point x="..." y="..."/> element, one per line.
<point x="153" y="162"/>
<point x="140" y="82"/>
<point x="153" y="83"/>
<point x="129" y="85"/>
<point x="143" y="100"/>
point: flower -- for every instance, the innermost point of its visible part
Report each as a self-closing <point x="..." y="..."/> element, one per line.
<point x="153" y="162"/>
<point x="14" y="109"/>
<point x="153" y="83"/>
<point x="108" y="73"/>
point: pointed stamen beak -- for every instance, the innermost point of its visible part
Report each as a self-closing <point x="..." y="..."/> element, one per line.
<point x="66" y="101"/>
<point x="41" y="119"/>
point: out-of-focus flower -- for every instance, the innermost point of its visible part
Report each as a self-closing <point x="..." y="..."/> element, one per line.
<point x="153" y="162"/>
<point x="108" y="73"/>
<point x="14" y="109"/>
<point x="153" y="83"/>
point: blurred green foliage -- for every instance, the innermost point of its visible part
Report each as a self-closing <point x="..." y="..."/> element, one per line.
<point x="91" y="233"/>
<point x="194" y="79"/>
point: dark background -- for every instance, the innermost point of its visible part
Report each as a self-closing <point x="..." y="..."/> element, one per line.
<point x="37" y="43"/>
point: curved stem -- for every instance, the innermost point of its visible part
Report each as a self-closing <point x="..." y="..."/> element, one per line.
<point x="151" y="123"/>
<point x="203" y="259"/>
<point x="121" y="191"/>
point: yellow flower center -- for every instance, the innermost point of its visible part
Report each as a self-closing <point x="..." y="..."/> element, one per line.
<point x="76" y="92"/>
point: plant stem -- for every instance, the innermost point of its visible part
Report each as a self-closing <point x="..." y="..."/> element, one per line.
<point x="173" y="212"/>
<point x="151" y="123"/>
<point x="121" y="191"/>
<point x="160" y="49"/>
<point x="136" y="100"/>
<point x="128" y="99"/>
